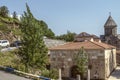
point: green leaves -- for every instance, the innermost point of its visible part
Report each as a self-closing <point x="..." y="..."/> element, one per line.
<point x="46" y="31"/>
<point x="53" y="73"/>
<point x="33" y="52"/>
<point x="81" y="60"/>
<point x="67" y="37"/>
<point x="4" y="11"/>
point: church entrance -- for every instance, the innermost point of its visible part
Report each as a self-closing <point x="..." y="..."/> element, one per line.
<point x="74" y="71"/>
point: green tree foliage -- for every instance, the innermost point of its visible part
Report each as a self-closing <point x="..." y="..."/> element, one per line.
<point x="46" y="31"/>
<point x="81" y="61"/>
<point x="49" y="34"/>
<point x="67" y="37"/>
<point x="3" y="27"/>
<point x="33" y="52"/>
<point x="14" y="15"/>
<point x="4" y="11"/>
<point x="53" y="73"/>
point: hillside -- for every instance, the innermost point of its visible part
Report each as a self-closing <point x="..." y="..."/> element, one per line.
<point x="9" y="29"/>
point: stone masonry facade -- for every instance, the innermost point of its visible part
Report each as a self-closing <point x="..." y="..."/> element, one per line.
<point x="102" y="64"/>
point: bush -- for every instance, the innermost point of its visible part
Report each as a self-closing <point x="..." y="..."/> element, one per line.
<point x="53" y="73"/>
<point x="10" y="59"/>
<point x="0" y="48"/>
<point x="3" y="27"/>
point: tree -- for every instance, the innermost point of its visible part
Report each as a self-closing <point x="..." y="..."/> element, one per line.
<point x="46" y="31"/>
<point x="50" y="34"/>
<point x="33" y="52"/>
<point x="14" y="15"/>
<point x="81" y="60"/>
<point x="67" y="37"/>
<point x="70" y="36"/>
<point x="4" y="11"/>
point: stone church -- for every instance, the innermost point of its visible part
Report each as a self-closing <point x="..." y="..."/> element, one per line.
<point x="110" y="35"/>
<point x="101" y="58"/>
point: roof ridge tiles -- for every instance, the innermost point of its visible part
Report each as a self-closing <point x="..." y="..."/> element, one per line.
<point x="86" y="44"/>
<point x="96" y="44"/>
<point x="101" y="44"/>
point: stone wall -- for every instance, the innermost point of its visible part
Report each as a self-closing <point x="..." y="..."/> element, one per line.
<point x="110" y="61"/>
<point x="118" y="57"/>
<point x="115" y="41"/>
<point x="97" y="60"/>
<point x="52" y="43"/>
<point x="64" y="59"/>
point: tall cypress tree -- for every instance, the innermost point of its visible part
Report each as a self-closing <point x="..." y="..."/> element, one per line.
<point x="33" y="52"/>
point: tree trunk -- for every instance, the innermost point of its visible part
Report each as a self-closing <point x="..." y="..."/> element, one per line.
<point x="82" y="76"/>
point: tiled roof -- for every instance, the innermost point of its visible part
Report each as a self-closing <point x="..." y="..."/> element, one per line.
<point x="104" y="45"/>
<point x="86" y="45"/>
<point x="110" y="22"/>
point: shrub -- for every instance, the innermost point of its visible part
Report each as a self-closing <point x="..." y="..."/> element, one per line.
<point x="53" y="73"/>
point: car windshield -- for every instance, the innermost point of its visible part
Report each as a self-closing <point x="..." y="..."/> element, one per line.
<point x="4" y="41"/>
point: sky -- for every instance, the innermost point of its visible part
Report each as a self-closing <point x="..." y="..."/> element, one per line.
<point x="70" y="15"/>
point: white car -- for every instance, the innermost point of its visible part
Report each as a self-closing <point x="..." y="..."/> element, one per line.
<point x="4" y="43"/>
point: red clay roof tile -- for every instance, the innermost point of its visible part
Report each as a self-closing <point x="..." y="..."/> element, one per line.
<point x="86" y="45"/>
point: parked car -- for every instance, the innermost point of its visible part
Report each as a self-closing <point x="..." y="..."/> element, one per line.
<point x="4" y="43"/>
<point x="16" y="44"/>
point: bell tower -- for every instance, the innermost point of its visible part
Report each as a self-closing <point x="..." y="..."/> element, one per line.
<point x="110" y="27"/>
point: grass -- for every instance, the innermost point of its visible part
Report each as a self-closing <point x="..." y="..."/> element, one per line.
<point x="10" y="59"/>
<point x="9" y="20"/>
<point x="16" y="31"/>
<point x="7" y="59"/>
<point x="5" y="25"/>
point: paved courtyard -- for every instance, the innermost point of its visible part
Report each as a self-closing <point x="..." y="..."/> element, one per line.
<point x="115" y="75"/>
<point x="7" y="76"/>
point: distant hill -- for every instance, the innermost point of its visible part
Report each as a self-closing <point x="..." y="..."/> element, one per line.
<point x="9" y="26"/>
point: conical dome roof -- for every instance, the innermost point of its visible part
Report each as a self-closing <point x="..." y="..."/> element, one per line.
<point x="110" y="23"/>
